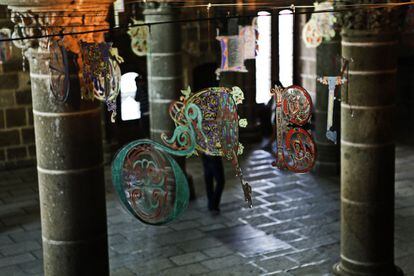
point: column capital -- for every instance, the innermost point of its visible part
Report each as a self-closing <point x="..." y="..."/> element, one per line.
<point x="47" y="17"/>
<point x="371" y="19"/>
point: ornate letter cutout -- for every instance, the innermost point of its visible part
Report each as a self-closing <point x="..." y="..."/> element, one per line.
<point x="59" y="71"/>
<point x="235" y="49"/>
<point x="101" y="73"/>
<point x="217" y="133"/>
<point x="249" y="35"/>
<point x="232" y="54"/>
<point x="139" y="38"/>
<point x="320" y="26"/>
<point x="296" y="150"/>
<point x="332" y="82"/>
<point x="5" y="46"/>
<point x="150" y="183"/>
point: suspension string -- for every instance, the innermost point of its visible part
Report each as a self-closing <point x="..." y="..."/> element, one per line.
<point x="348" y="7"/>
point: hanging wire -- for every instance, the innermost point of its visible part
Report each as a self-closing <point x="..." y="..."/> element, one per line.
<point x="346" y="8"/>
<point x="269" y="5"/>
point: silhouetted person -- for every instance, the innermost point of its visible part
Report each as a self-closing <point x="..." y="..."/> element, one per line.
<point x="204" y="77"/>
<point x="213" y="170"/>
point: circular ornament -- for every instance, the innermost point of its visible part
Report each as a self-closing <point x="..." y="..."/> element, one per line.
<point x="300" y="150"/>
<point x="311" y="34"/>
<point x="59" y="71"/>
<point x="150" y="183"/>
<point x="297" y="105"/>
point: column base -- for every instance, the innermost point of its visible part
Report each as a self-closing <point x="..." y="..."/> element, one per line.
<point x="339" y="270"/>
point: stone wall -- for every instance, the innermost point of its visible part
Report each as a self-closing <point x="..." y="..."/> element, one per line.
<point x="17" y="146"/>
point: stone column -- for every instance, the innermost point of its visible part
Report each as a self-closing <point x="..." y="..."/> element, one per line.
<point x="305" y="67"/>
<point x="367" y="145"/>
<point x="328" y="63"/>
<point x="68" y="143"/>
<point x="405" y="90"/>
<point x="164" y="66"/>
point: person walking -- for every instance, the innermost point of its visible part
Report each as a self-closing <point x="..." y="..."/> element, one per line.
<point x="204" y="77"/>
<point x="213" y="170"/>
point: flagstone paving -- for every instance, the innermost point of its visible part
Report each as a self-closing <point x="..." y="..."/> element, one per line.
<point x="293" y="228"/>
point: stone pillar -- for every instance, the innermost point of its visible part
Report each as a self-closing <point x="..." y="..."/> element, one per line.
<point x="164" y="67"/>
<point x="405" y="90"/>
<point x="367" y="146"/>
<point x="71" y="179"/>
<point x="68" y="143"/>
<point x="16" y="119"/>
<point x="305" y="67"/>
<point x="328" y="63"/>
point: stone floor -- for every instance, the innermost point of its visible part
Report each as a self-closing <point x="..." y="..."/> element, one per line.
<point x="293" y="228"/>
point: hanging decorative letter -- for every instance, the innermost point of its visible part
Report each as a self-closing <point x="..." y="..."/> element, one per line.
<point x="5" y="46"/>
<point x="320" y="26"/>
<point x="217" y="133"/>
<point x="232" y="54"/>
<point x="311" y="35"/>
<point x="249" y="35"/>
<point x="59" y="71"/>
<point x="149" y="182"/>
<point x="139" y="38"/>
<point x="332" y="82"/>
<point x="101" y="73"/>
<point x="296" y="150"/>
<point x="235" y="49"/>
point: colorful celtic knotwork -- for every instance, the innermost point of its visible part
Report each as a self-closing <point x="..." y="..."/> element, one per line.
<point x="101" y="73"/>
<point x="150" y="183"/>
<point x="232" y="54"/>
<point x="235" y="49"/>
<point x="217" y="133"/>
<point x="59" y="71"/>
<point x="139" y="37"/>
<point x="183" y="141"/>
<point x="320" y="26"/>
<point x="296" y="150"/>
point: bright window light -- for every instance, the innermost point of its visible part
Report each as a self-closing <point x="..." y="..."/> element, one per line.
<point x="119" y="7"/>
<point x="264" y="58"/>
<point x="130" y="109"/>
<point x="286" y="47"/>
